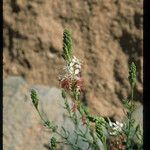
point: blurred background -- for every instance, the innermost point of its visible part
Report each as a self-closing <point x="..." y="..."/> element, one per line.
<point x="107" y="37"/>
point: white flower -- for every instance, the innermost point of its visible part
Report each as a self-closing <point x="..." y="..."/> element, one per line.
<point x="113" y="133"/>
<point x="119" y="124"/>
<point x="71" y="76"/>
<point x="71" y="64"/>
<point x="110" y="124"/>
<point x="115" y="127"/>
<point x="76" y="72"/>
<point x="72" y="69"/>
<point x="75" y="60"/>
<point x="77" y="66"/>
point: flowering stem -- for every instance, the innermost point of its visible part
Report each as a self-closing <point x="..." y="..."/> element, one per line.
<point x="132" y="92"/>
<point x="128" y="129"/>
<point x="40" y="115"/>
<point x="68" y="142"/>
<point x="130" y="121"/>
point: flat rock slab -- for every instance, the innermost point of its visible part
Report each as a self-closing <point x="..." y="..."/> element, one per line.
<point x="22" y="127"/>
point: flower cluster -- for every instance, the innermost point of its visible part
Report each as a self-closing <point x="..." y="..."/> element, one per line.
<point x="115" y="127"/>
<point x="72" y="76"/>
<point x="73" y="68"/>
<point x="98" y="128"/>
<point x="132" y="74"/>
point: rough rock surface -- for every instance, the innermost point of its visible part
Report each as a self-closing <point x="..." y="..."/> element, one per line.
<point x="22" y="126"/>
<point x="107" y="35"/>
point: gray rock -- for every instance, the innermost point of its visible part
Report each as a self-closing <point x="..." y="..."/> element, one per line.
<point x="23" y="128"/>
<point x="138" y="115"/>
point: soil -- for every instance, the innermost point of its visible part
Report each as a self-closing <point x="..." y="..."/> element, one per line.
<point x="107" y="36"/>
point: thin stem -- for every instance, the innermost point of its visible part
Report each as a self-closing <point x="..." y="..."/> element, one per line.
<point x="84" y="137"/>
<point x="69" y="143"/>
<point x="130" y="111"/>
<point x="91" y="132"/>
<point x="132" y="92"/>
<point x="40" y="115"/>
<point x="104" y="143"/>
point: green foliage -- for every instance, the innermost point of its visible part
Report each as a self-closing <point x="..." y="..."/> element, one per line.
<point x="63" y="93"/>
<point x="53" y="143"/>
<point x="34" y="98"/>
<point x="94" y="125"/>
<point x="50" y="125"/>
<point x="67" y="46"/>
<point x="131" y="129"/>
<point x="98" y="119"/>
<point x="132" y="74"/>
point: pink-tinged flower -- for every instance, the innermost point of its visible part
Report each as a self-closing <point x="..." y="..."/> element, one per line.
<point x="74" y="107"/>
<point x="79" y="84"/>
<point x="66" y="83"/>
<point x="71" y="77"/>
<point x="83" y="118"/>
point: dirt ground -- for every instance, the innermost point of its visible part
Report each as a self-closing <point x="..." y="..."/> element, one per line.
<point x="107" y="36"/>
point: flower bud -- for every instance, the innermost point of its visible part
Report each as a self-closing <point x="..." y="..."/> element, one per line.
<point x="34" y="98"/>
<point x="132" y="74"/>
<point x="53" y="143"/>
<point x="63" y="93"/>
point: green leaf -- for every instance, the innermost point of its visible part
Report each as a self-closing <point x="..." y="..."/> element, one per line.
<point x="67" y="46"/>
<point x="132" y="74"/>
<point x="34" y="98"/>
<point x="63" y="93"/>
<point x="53" y="143"/>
